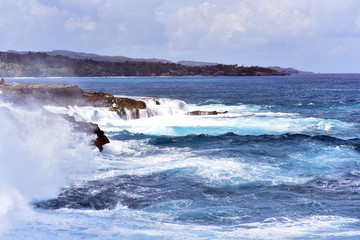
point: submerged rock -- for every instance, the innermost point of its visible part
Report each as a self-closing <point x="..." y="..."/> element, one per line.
<point x="202" y="113"/>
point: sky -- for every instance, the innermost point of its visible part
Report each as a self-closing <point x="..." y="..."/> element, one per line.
<point x="310" y="35"/>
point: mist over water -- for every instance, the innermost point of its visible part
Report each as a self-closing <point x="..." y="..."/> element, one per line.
<point x="282" y="163"/>
<point x="39" y="154"/>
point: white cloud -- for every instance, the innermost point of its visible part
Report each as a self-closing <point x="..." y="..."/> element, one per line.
<point x="78" y="24"/>
<point x="256" y="18"/>
<point x="233" y="31"/>
<point x="264" y="30"/>
<point x="102" y="26"/>
<point x="240" y="25"/>
<point x="358" y="23"/>
<point x="23" y="23"/>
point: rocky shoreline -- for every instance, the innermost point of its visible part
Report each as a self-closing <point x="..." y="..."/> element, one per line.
<point x="38" y="95"/>
<point x="68" y="95"/>
<point x="30" y="95"/>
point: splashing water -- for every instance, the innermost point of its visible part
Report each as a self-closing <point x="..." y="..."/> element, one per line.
<point x="282" y="163"/>
<point x="39" y="153"/>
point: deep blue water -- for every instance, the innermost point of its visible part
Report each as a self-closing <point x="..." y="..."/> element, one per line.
<point x="282" y="163"/>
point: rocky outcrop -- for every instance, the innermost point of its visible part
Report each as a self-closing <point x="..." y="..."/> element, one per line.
<point x="70" y="95"/>
<point x="92" y="128"/>
<point x="101" y="139"/>
<point x="202" y="113"/>
<point x="116" y="104"/>
<point x="67" y="95"/>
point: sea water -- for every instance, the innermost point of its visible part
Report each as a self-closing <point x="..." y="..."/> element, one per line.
<point x="281" y="163"/>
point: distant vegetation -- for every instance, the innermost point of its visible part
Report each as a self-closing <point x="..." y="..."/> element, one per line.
<point x="38" y="64"/>
<point x="289" y="70"/>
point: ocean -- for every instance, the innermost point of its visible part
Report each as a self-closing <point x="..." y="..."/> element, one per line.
<point x="282" y="162"/>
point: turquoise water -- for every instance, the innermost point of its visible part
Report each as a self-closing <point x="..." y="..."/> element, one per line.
<point x="282" y="163"/>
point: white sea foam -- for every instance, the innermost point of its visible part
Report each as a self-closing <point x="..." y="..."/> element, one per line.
<point x="240" y="110"/>
<point x="284" y="228"/>
<point x="162" y="107"/>
<point x="39" y="153"/>
<point x="138" y="224"/>
<point x="12" y="206"/>
<point x="137" y="157"/>
<point x="169" y="118"/>
<point x="101" y="116"/>
<point x="180" y="125"/>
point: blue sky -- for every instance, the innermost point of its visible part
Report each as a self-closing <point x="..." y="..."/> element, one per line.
<point x="313" y="35"/>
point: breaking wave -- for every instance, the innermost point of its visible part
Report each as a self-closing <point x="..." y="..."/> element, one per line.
<point x="279" y="166"/>
<point x="169" y="117"/>
<point x="39" y="153"/>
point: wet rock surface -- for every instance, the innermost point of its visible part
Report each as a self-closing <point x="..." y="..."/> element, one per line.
<point x="204" y="113"/>
<point x="70" y="95"/>
<point x="66" y="95"/>
<point x="90" y="128"/>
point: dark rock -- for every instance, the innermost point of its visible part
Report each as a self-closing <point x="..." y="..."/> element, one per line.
<point x="68" y="95"/>
<point x="55" y="94"/>
<point x="204" y="113"/>
<point x="101" y="139"/>
<point x="65" y="95"/>
<point x="91" y="128"/>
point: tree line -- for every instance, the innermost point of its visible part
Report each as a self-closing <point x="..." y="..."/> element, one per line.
<point x="38" y="64"/>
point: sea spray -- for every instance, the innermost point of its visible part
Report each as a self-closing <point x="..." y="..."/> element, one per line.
<point x="102" y="115"/>
<point x="289" y="169"/>
<point x="170" y="118"/>
<point x="39" y="153"/>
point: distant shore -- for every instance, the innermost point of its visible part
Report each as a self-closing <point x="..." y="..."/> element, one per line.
<point x="40" y="64"/>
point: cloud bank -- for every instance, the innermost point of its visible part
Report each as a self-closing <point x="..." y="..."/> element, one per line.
<point x="318" y="35"/>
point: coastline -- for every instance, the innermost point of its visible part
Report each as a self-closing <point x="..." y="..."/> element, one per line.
<point x="40" y="64"/>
